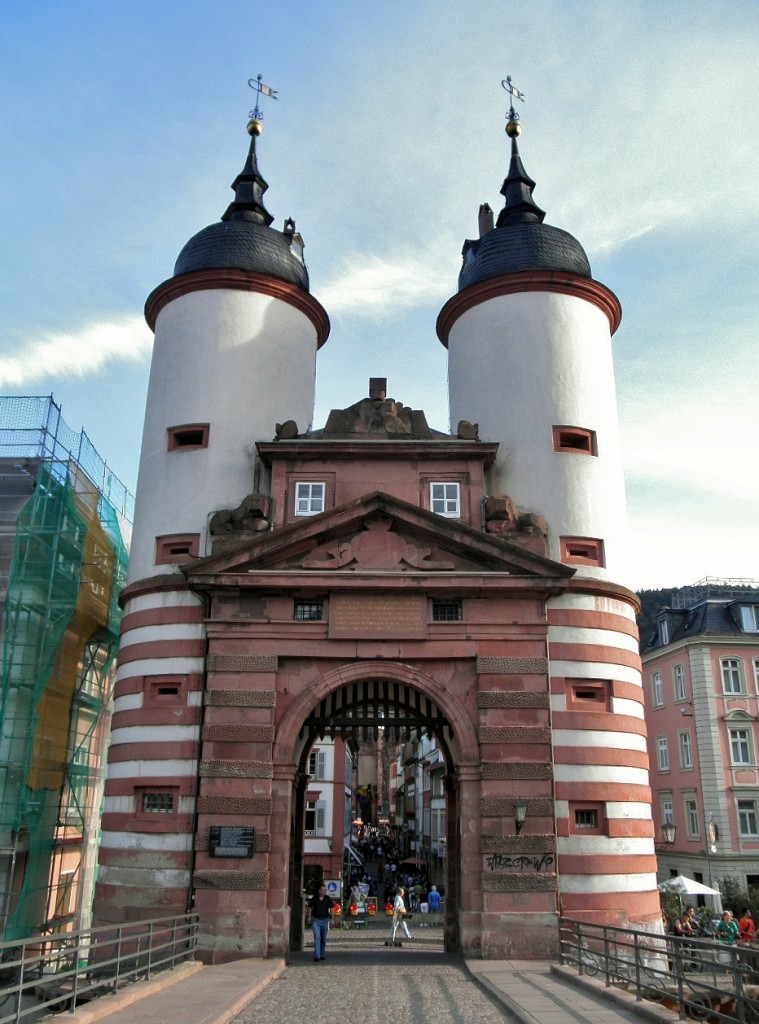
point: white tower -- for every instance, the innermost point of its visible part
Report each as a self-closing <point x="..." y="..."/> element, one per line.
<point x="529" y="357"/>
<point x="236" y="335"/>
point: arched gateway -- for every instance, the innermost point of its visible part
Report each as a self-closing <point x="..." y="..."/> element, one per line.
<point x="378" y="567"/>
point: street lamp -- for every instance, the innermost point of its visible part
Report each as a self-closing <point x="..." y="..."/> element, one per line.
<point x="668" y="830"/>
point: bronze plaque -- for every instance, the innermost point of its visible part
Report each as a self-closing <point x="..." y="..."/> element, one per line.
<point x="378" y="616"/>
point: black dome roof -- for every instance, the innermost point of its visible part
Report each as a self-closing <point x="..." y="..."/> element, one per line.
<point x="243" y="239"/>
<point x="522" y="246"/>
<point x="243" y="245"/>
<point x="520" y="240"/>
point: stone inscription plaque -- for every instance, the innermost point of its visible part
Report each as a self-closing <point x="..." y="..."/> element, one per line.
<point x="378" y="616"/>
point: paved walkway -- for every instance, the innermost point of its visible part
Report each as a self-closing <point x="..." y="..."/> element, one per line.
<point x="526" y="992"/>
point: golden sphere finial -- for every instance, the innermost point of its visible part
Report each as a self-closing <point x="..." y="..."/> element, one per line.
<point x="255" y="127"/>
<point x="513" y="128"/>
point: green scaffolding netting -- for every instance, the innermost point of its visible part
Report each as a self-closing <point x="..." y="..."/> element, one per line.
<point x="61" y="636"/>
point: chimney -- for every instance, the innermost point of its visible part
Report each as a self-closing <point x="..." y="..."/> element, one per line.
<point x="485" y="219"/>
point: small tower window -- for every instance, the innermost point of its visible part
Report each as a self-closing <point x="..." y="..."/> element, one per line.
<point x="309" y="498"/>
<point x="574" y="439"/>
<point x="188" y="436"/>
<point x="445" y="499"/>
<point x="176" y="547"/>
<point x="581" y="551"/>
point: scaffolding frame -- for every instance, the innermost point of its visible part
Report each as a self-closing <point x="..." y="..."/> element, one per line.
<point x="61" y="623"/>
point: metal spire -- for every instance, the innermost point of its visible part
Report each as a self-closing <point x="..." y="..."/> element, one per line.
<point x="518" y="185"/>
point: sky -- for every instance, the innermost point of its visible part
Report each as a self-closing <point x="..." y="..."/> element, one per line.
<point x="123" y="125"/>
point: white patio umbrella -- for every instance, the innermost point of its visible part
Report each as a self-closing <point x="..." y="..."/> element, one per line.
<point x="690" y="887"/>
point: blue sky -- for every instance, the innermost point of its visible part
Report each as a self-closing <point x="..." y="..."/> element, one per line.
<point x="123" y="125"/>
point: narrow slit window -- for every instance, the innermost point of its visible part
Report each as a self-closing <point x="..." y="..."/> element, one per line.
<point x="581" y="551"/>
<point x="574" y="439"/>
<point x="175" y="548"/>
<point x="588" y="694"/>
<point x="188" y="436"/>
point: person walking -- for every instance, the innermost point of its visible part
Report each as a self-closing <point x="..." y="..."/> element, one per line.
<point x="320" y="912"/>
<point x="399" y="909"/>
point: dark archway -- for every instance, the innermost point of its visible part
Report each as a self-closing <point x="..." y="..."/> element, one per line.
<point x="364" y="697"/>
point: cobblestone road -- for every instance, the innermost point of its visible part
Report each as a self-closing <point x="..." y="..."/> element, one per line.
<point x="395" y="986"/>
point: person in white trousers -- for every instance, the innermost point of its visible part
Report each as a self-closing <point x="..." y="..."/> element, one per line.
<point x="399" y="909"/>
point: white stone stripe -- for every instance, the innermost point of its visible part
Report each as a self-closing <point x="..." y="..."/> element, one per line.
<point x="595" y="670"/>
<point x="177" y="843"/>
<point x="596" y="845"/>
<point x="596" y="884"/>
<point x="623" y="706"/>
<point x="634" y="810"/>
<point x="145" y="769"/>
<point x="597" y="738"/>
<point x="589" y="603"/>
<point x="169" y="631"/>
<point x="114" y="875"/>
<point x="129" y="702"/>
<point x="163" y="599"/>
<point x="159" y="666"/>
<point x="586" y="635"/>
<point x="605" y="773"/>
<point x="154" y="734"/>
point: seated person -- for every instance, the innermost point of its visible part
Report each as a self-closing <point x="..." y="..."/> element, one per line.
<point x="727" y="929"/>
<point x="746" y="927"/>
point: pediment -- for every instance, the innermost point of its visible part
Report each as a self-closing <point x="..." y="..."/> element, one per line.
<point x="378" y="533"/>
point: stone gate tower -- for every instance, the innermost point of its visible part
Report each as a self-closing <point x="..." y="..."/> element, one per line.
<point x="288" y="581"/>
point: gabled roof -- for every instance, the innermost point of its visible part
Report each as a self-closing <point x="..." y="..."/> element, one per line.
<point x="377" y="533"/>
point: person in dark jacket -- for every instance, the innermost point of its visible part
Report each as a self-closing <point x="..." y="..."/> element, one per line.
<point x="318" y="916"/>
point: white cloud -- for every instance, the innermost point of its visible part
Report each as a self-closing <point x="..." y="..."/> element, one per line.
<point x="374" y="286"/>
<point x="77" y="355"/>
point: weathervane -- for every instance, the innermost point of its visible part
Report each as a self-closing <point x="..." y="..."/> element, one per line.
<point x="515" y="95"/>
<point x="261" y="89"/>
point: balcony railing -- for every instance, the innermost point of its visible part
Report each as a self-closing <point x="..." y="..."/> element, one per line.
<point x="700" y="979"/>
<point x="56" y="972"/>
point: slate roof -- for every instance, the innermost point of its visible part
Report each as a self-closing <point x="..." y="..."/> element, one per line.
<point x="244" y="239"/>
<point x="243" y="245"/>
<point x="708" y="618"/>
<point x="520" y="240"/>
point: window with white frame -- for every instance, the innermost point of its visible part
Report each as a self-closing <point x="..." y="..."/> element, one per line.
<point x="445" y="499"/>
<point x="740" y="746"/>
<point x="685" y="749"/>
<point x="317" y="764"/>
<point x="662" y="754"/>
<point x="748" y="822"/>
<point x="731" y="675"/>
<point x="309" y="498"/>
<point x="664" y="631"/>
<point x="750" y="617"/>
<point x="678" y="682"/>
<point x="691" y="818"/>
<point x="756" y="674"/>
<point x="657" y="691"/>
<point x="315" y="816"/>
<point x="667" y="810"/>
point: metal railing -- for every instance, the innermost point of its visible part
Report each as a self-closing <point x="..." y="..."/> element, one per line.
<point x="57" y="972"/>
<point x="698" y="978"/>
